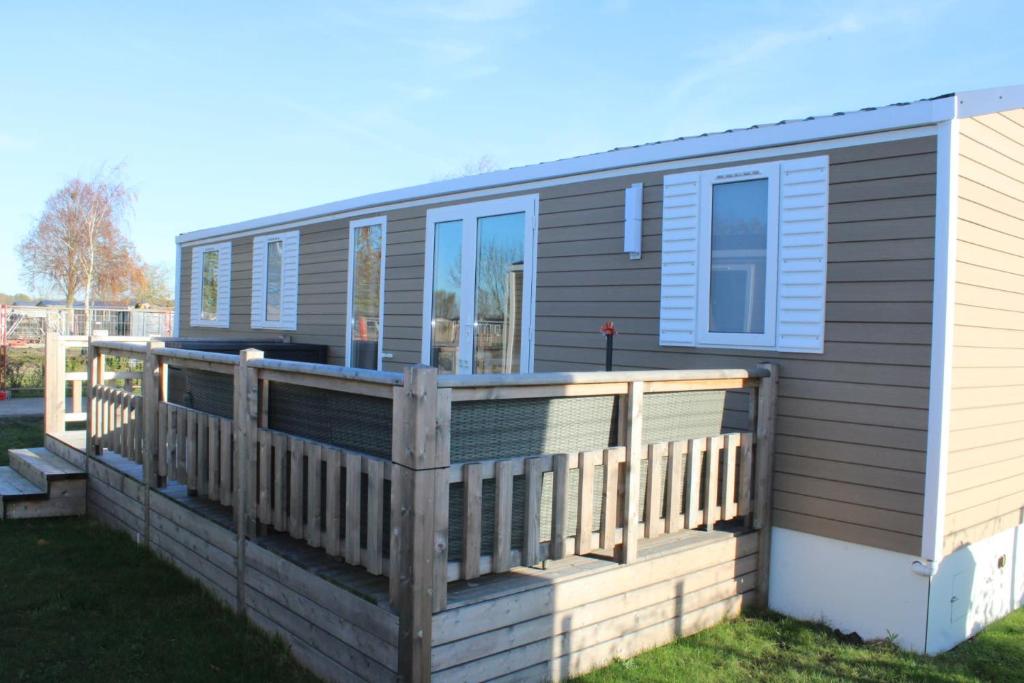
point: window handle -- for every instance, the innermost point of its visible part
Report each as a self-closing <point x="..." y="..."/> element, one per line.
<point x="387" y="355"/>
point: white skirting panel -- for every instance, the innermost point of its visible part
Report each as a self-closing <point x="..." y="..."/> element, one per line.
<point x="850" y="587"/>
<point x="974" y="586"/>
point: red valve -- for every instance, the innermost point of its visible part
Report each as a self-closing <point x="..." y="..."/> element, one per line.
<point x="608" y="329"/>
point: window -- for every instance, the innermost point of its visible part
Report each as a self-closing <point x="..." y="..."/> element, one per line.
<point x="275" y="281"/>
<point x="744" y="255"/>
<point x="211" y="285"/>
<point x="737" y="241"/>
<point x="367" y="239"/>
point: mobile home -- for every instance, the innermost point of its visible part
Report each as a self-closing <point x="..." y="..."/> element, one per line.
<point x="875" y="256"/>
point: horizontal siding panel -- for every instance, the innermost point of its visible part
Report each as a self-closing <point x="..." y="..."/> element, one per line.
<point x="854" y="453"/>
<point x="851" y="420"/>
<point x="909" y="544"/>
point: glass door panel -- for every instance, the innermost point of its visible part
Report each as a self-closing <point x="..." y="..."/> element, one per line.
<point x="447" y="297"/>
<point x="497" y="324"/>
<point x="366" y="272"/>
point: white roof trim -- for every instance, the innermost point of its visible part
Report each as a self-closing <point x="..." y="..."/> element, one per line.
<point x="979" y="102"/>
<point x="890" y="118"/>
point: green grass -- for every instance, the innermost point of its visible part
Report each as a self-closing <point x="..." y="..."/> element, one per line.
<point x="79" y="602"/>
<point x="19" y="432"/>
<point x="770" y="647"/>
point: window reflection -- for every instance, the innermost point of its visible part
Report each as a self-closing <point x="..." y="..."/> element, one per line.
<point x="211" y="265"/>
<point x="497" y="333"/>
<point x="366" y="305"/>
<point x="274" y="278"/>
<point x="444" y="323"/>
<point x="739" y="244"/>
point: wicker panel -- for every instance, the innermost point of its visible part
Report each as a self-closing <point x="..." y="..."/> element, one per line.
<point x="482" y="430"/>
<point x="361" y="423"/>
<point x="682" y="415"/>
<point x="209" y="392"/>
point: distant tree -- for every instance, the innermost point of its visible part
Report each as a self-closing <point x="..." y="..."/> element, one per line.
<point x="78" y="246"/>
<point x="11" y="298"/>
<point x="151" y="285"/>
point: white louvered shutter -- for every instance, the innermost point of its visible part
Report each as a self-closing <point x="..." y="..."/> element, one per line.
<point x="196" y="303"/>
<point x="803" y="255"/>
<point x="259" y="282"/>
<point x="224" y="285"/>
<point x="679" y="225"/>
<point x="290" y="281"/>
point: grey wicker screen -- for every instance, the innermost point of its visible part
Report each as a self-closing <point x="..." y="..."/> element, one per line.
<point x="209" y="392"/>
<point x="680" y="415"/>
<point x="362" y="423"/>
<point x="483" y="430"/>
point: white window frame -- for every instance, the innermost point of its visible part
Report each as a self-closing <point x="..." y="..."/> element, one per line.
<point x="705" y="337"/>
<point x="223" y="317"/>
<point x="289" y="283"/>
<point x="469" y="214"/>
<point x="382" y="221"/>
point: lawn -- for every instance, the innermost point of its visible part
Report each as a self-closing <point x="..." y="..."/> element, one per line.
<point x="80" y="602"/>
<point x="770" y="647"/>
<point x="19" y="432"/>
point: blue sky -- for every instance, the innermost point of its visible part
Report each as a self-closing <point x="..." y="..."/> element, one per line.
<point x="225" y="111"/>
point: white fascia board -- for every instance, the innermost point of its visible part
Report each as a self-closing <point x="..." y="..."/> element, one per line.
<point x="889" y="118"/>
<point x="943" y="311"/>
<point x="979" y="102"/>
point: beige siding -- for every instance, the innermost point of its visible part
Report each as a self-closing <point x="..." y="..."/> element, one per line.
<point x="851" y="421"/>
<point x="985" y="491"/>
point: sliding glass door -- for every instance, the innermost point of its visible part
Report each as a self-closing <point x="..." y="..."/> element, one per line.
<point x="479" y="284"/>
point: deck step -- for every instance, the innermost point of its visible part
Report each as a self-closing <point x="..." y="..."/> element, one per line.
<point x="40" y="466"/>
<point x="40" y="484"/>
<point x="14" y="486"/>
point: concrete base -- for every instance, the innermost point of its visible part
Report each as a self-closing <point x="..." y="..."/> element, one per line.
<point x="974" y="586"/>
<point x="851" y="587"/>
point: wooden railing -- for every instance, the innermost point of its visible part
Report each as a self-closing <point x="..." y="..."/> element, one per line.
<point x="707" y="480"/>
<point x="394" y="515"/>
<point x="316" y="491"/>
<point x="57" y="377"/>
<point x="195" y="448"/>
<point x="117" y="425"/>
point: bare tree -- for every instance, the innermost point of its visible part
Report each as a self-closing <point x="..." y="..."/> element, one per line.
<point x="485" y="164"/>
<point x="77" y="245"/>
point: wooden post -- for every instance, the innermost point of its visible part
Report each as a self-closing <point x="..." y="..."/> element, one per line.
<point x="152" y="394"/>
<point x="420" y="452"/>
<point x="634" y="450"/>
<point x="96" y="369"/>
<point x="763" y="471"/>
<point x="244" y="427"/>
<point x="54" y="403"/>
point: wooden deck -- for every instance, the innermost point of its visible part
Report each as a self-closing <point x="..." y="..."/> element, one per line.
<point x="565" y="555"/>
